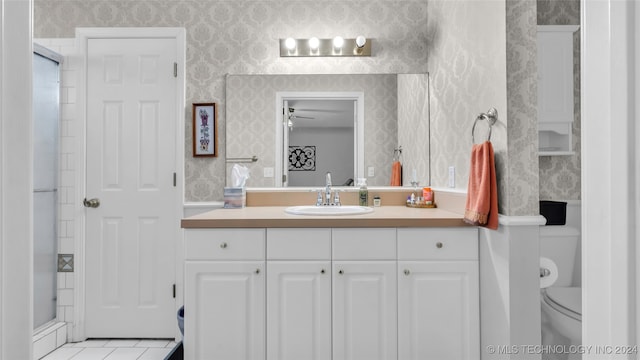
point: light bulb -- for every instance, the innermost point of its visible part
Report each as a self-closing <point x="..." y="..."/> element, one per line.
<point x="360" y="41"/>
<point x="338" y="41"/>
<point x="290" y="43"/>
<point x="314" y="43"/>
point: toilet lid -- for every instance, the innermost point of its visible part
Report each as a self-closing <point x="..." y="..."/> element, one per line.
<point x="568" y="297"/>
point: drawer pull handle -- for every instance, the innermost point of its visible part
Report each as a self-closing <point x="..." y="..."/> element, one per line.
<point x="322" y="271"/>
<point x="223" y="245"/>
<point x="439" y="245"/>
<point x="340" y="272"/>
<point x="257" y="271"/>
<point x="407" y="272"/>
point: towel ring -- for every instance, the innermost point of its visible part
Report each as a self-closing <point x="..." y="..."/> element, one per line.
<point x="491" y="116"/>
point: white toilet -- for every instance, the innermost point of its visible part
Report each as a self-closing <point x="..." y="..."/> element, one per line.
<point x="562" y="301"/>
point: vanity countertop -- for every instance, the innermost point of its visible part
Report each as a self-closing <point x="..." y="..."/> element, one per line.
<point x="275" y="216"/>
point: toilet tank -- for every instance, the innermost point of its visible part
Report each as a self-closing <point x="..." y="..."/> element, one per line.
<point x="560" y="244"/>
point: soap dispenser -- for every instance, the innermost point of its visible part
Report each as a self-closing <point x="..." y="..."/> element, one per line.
<point x="364" y="192"/>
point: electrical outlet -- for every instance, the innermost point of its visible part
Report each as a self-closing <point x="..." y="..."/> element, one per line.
<point x="452" y="176"/>
<point x="371" y="171"/>
<point x="268" y="172"/>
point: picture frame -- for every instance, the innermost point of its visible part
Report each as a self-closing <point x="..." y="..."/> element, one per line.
<point x="205" y="134"/>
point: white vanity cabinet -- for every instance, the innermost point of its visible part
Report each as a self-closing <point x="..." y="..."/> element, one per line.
<point x="364" y="294"/>
<point x="225" y="294"/>
<point x="438" y="294"/>
<point x="331" y="293"/>
<point x="299" y="294"/>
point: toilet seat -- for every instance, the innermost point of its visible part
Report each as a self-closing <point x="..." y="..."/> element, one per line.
<point x="566" y="300"/>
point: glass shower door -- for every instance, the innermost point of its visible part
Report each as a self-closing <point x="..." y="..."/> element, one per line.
<point x="46" y="108"/>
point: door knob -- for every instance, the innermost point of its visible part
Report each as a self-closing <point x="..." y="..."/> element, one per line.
<point x="91" y="203"/>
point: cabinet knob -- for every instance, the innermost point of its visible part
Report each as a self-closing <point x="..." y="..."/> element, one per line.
<point x="439" y="245"/>
<point x="223" y="245"/>
<point x="340" y="272"/>
<point x="322" y="271"/>
<point x="257" y="271"/>
<point x="407" y="272"/>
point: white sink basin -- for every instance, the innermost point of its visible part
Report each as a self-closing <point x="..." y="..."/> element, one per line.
<point x="328" y="210"/>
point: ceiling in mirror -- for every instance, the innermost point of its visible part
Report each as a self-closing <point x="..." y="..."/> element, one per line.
<point x="320" y="113"/>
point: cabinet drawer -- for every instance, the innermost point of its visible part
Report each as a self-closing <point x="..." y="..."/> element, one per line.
<point x="364" y="244"/>
<point x="299" y="244"/>
<point x="438" y="244"/>
<point x="224" y="244"/>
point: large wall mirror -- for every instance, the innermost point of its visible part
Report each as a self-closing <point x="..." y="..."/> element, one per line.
<point x="299" y="127"/>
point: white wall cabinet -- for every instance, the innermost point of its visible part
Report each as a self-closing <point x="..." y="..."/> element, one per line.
<point x="332" y="294"/>
<point x="555" y="89"/>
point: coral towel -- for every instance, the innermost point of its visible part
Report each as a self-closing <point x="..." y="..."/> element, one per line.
<point x="396" y="174"/>
<point x="482" y="195"/>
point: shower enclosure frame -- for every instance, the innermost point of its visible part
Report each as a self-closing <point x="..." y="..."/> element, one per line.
<point x="43" y="321"/>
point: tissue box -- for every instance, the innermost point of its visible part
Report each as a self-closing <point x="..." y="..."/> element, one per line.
<point x="235" y="197"/>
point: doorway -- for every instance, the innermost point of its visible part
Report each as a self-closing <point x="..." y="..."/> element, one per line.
<point x="132" y="180"/>
<point x="316" y="133"/>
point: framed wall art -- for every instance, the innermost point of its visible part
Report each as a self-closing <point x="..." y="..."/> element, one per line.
<point x="205" y="117"/>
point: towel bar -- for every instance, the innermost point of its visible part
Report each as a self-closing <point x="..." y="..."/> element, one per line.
<point x="491" y="116"/>
<point x="242" y="160"/>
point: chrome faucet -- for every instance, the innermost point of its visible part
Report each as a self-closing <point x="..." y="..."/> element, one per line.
<point x="325" y="199"/>
<point x="327" y="189"/>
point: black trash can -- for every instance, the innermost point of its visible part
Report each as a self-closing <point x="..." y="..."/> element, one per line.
<point x="554" y="211"/>
<point x="181" y="320"/>
<point x="177" y="353"/>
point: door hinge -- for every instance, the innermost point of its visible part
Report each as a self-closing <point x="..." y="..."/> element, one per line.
<point x="175" y="179"/>
<point x="174" y="291"/>
<point x="284" y="178"/>
<point x="175" y="69"/>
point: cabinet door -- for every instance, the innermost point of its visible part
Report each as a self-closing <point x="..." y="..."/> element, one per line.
<point x="364" y="310"/>
<point x="229" y="300"/>
<point x="438" y="310"/>
<point x="555" y="74"/>
<point x="299" y="310"/>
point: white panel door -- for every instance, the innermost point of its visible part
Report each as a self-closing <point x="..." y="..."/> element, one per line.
<point x="131" y="159"/>
<point x="364" y="310"/>
<point x="438" y="310"/>
<point x="229" y="300"/>
<point x="299" y="310"/>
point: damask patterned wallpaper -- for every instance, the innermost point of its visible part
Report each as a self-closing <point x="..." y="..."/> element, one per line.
<point x="522" y="131"/>
<point x="467" y="65"/>
<point x="465" y="58"/>
<point x="467" y="76"/>
<point x="241" y="37"/>
<point x="560" y="175"/>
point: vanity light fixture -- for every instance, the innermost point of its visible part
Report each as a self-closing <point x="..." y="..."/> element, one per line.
<point x="290" y="43"/>
<point x="314" y="43"/>
<point x="338" y="46"/>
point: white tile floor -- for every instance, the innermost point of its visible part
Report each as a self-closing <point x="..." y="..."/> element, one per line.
<point x="113" y="350"/>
